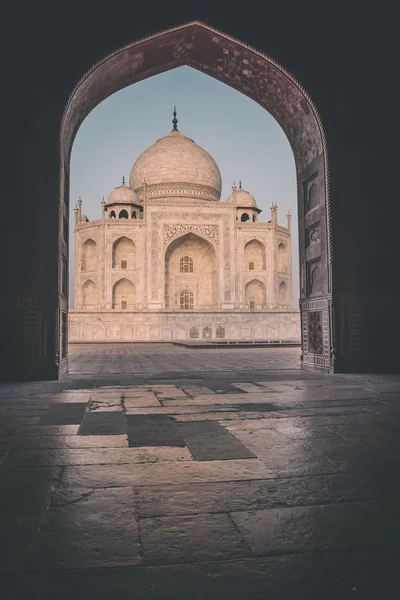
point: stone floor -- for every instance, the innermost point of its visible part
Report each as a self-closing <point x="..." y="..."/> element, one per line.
<point x="280" y="485"/>
<point x="148" y="358"/>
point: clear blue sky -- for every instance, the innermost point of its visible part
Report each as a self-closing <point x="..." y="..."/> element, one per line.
<point x="243" y="138"/>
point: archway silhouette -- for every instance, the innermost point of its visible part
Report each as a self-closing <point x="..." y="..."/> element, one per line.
<point x="266" y="82"/>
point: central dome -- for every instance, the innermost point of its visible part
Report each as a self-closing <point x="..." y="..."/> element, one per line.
<point x="176" y="166"/>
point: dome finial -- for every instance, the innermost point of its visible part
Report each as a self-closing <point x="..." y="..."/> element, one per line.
<point x="123" y="179"/>
<point x="175" y="120"/>
<point x="240" y="184"/>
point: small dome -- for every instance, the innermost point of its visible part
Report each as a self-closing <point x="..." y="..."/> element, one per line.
<point x="176" y="166"/>
<point x="122" y="195"/>
<point x="243" y="198"/>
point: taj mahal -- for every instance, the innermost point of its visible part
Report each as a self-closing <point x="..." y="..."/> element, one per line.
<point x="170" y="260"/>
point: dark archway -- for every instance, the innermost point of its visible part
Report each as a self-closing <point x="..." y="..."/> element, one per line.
<point x="270" y="85"/>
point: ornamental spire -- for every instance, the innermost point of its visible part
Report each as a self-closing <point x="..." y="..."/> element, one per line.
<point x="123" y="179"/>
<point x="175" y="121"/>
<point x="240" y="184"/>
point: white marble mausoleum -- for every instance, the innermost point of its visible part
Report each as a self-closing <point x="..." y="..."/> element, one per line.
<point x="169" y="260"/>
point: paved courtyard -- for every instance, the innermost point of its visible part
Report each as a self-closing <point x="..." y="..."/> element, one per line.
<point x="148" y="358"/>
<point x="281" y="485"/>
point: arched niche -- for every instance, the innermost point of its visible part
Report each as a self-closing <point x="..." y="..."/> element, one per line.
<point x="282" y="258"/>
<point x="191" y="262"/>
<point x="89" y="257"/>
<point x="259" y="77"/>
<point x="124" y="254"/>
<point x="123" y="214"/>
<point x="254" y="256"/>
<point x="282" y="293"/>
<point x="123" y="295"/>
<point x="255" y="295"/>
<point x="89" y="295"/>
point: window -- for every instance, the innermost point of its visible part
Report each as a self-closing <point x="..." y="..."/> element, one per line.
<point x="207" y="332"/>
<point x="245" y="217"/>
<point x="254" y="218"/>
<point x="220" y="332"/>
<point x="112" y="214"/>
<point x="251" y="266"/>
<point x="252" y="303"/>
<point x="123" y="214"/>
<point x="186" y="300"/>
<point x="134" y="214"/>
<point x="123" y="264"/>
<point x="186" y="264"/>
<point x="124" y="304"/>
<point x="193" y="333"/>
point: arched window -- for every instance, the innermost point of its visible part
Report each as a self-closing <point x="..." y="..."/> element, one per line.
<point x="282" y="293"/>
<point x="193" y="333"/>
<point x="245" y="217"/>
<point x="186" y="264"/>
<point x="89" y="256"/>
<point x="186" y="299"/>
<point x="134" y="214"/>
<point x="207" y="332"/>
<point x="255" y="294"/>
<point x="123" y="214"/>
<point x="112" y="214"/>
<point x="254" y="218"/>
<point x="254" y="256"/>
<point x="220" y="332"/>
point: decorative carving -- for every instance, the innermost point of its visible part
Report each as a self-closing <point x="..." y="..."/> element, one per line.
<point x="64" y="335"/>
<point x="313" y="234"/>
<point x="211" y="232"/>
<point x="315" y="333"/>
<point x="157" y="190"/>
<point x="314" y="277"/>
<point x="310" y="190"/>
<point x="309" y="357"/>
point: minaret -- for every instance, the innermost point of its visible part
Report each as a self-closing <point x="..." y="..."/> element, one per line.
<point x="103" y="209"/>
<point x="274" y="215"/>
<point x="80" y="209"/>
<point x="76" y="211"/>
<point x="289" y="221"/>
<point x="234" y="188"/>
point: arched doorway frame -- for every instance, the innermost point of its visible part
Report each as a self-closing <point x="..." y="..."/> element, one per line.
<point x="269" y="84"/>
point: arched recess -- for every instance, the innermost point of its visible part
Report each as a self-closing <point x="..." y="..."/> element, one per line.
<point x="255" y="295"/>
<point x="244" y="218"/>
<point x="254" y="256"/>
<point x="123" y="214"/>
<point x="282" y="294"/>
<point x="191" y="262"/>
<point x="112" y="214"/>
<point x="124" y="254"/>
<point x="89" y="255"/>
<point x="282" y="258"/>
<point x="259" y="77"/>
<point x="89" y="295"/>
<point x="124" y="295"/>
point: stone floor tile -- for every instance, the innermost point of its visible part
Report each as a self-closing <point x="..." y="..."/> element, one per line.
<point x="92" y="528"/>
<point x="197" y="390"/>
<point x="166" y="472"/>
<point x="208" y="440"/>
<point x="165" y="500"/>
<point x="152" y="430"/>
<point x="63" y="414"/>
<point x="36" y="442"/>
<point x="94" y="456"/>
<point x="274" y="531"/>
<point x="40" y="430"/>
<point x="103" y="423"/>
<point x="183" y="539"/>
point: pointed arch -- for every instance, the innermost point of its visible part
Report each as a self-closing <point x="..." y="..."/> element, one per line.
<point x="112" y="214"/>
<point x="124" y="253"/>
<point x="193" y="333"/>
<point x="89" y="258"/>
<point x="283" y="293"/>
<point x="191" y="262"/>
<point x="123" y="295"/>
<point x="282" y="258"/>
<point x="89" y="295"/>
<point x="254" y="256"/>
<point x="255" y="294"/>
<point x="220" y="332"/>
<point x="123" y="214"/>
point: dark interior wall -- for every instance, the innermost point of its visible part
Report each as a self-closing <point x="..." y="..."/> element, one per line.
<point x="45" y="54"/>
